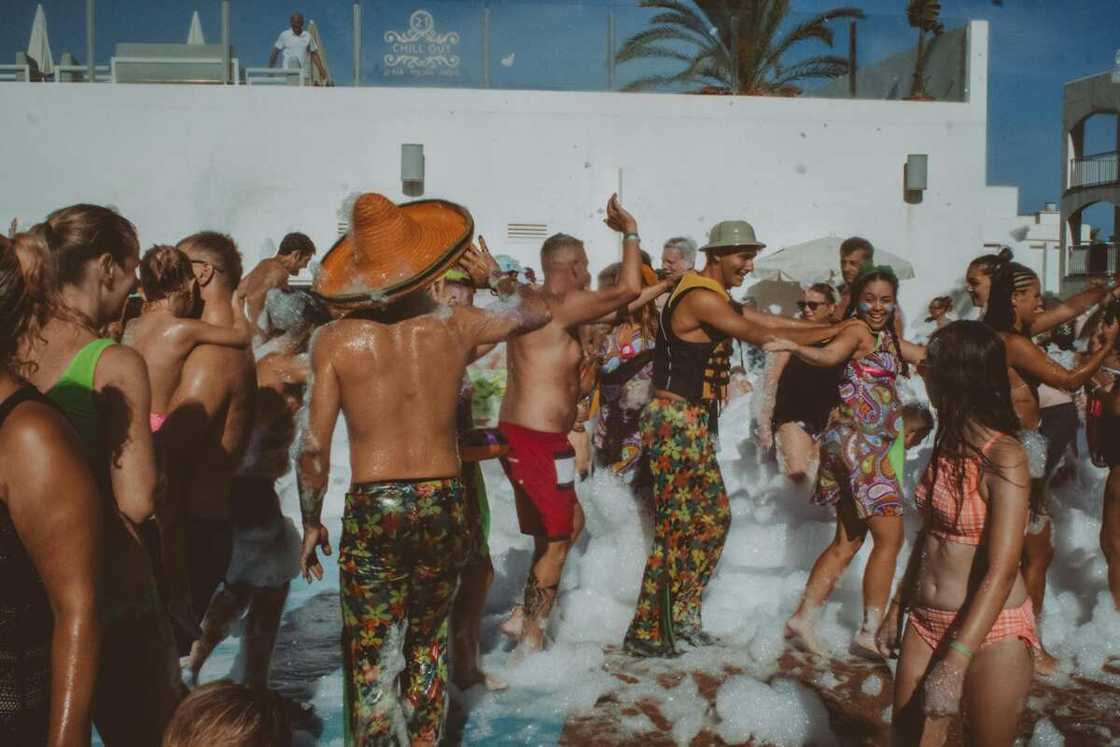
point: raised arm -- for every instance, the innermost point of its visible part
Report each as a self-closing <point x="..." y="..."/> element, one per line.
<point x="582" y="307"/>
<point x="57" y="512"/>
<point x="911" y="352"/>
<point x="1008" y="489"/>
<point x="313" y="463"/>
<point x="842" y="347"/>
<point x="124" y="400"/>
<point x="1026" y="358"/>
<point x="520" y="308"/>
<point x="1072" y="307"/>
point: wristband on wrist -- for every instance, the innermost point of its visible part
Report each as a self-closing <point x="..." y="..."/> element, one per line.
<point x="961" y="649"/>
<point x="631" y="237"/>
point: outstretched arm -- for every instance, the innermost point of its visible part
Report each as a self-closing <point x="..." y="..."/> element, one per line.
<point x="314" y="461"/>
<point x="833" y="354"/>
<point x="582" y="307"/>
<point x="1072" y="307"/>
<point x="520" y="308"/>
<point x="753" y="326"/>
<point x="56" y="509"/>
<point x="1008" y="490"/>
<point x="1026" y="357"/>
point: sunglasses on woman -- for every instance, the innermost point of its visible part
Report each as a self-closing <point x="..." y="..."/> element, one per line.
<point x="810" y="305"/>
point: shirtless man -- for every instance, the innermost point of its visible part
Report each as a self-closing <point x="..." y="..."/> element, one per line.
<point x="540" y="408"/>
<point x="265" y="544"/>
<point x="395" y="374"/>
<point x="207" y="429"/>
<point x="295" y="253"/>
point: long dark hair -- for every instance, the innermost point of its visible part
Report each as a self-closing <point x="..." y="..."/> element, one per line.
<point x="1007" y="278"/>
<point x="861" y="282"/>
<point x="966" y="374"/>
<point x="987" y="263"/>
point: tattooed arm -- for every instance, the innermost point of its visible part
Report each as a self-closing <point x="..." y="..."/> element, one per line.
<point x="314" y="462"/>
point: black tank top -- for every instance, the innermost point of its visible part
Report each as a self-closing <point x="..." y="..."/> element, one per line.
<point x="806" y="394"/>
<point x="25" y="620"/>
<point x="696" y="371"/>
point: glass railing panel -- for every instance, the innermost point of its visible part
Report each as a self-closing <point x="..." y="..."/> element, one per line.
<point x="549" y="46"/>
<point x="430" y="44"/>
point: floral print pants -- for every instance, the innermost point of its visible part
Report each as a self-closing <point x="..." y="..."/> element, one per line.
<point x="403" y="544"/>
<point x="691" y="518"/>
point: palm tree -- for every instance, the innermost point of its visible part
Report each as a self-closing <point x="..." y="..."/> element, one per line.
<point x="733" y="46"/>
<point x="923" y="15"/>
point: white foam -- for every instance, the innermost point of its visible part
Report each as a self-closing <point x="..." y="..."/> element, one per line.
<point x="785" y="713"/>
<point x="1046" y="735"/>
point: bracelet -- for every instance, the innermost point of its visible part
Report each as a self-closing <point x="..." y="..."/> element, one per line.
<point x="631" y="237"/>
<point x="960" y="648"/>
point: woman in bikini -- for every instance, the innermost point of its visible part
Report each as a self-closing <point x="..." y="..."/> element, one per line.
<point x="50" y="553"/>
<point x="84" y="260"/>
<point x="971" y="626"/>
<point x="1103" y="431"/>
<point x="861" y="456"/>
<point x="1014" y="311"/>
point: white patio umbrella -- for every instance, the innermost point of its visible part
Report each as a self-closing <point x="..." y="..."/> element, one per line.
<point x="38" y="46"/>
<point x="194" y="36"/>
<point x="818" y="261"/>
<point x="316" y="78"/>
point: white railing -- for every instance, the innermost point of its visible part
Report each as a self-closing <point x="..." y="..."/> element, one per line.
<point x="117" y="62"/>
<point x="15" y="73"/>
<point x="1089" y="171"/>
<point x="275" y="76"/>
<point x="80" y="74"/>
<point x="1093" y="259"/>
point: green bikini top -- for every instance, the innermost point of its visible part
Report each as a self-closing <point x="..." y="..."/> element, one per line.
<point x="74" y="394"/>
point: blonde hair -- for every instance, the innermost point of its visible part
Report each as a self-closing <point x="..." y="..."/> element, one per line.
<point x="226" y="714"/>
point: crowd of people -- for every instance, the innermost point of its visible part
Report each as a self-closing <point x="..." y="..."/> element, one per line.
<point x="144" y="435"/>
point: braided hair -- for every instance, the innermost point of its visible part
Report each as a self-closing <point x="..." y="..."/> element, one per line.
<point x="1008" y="278"/>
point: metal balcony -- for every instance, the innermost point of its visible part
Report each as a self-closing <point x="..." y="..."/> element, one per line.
<point x="1084" y="260"/>
<point x="1093" y="170"/>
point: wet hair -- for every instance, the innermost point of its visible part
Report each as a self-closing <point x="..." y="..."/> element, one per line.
<point x="1008" y="278"/>
<point x="858" y="286"/>
<point x="684" y="245"/>
<point x="34" y="256"/>
<point x="987" y="263"/>
<point x="554" y="244"/>
<point x="966" y="373"/>
<point x="15" y="305"/>
<point x="916" y="416"/>
<point x="825" y="290"/>
<point x="164" y="271"/>
<point x="231" y="715"/>
<point x="855" y="244"/>
<point x="219" y="247"/>
<point x="80" y="233"/>
<point x="296" y="243"/>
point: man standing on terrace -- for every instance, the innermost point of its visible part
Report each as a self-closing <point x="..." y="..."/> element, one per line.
<point x="297" y="45"/>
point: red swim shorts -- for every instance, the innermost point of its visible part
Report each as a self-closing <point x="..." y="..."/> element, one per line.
<point x="541" y="467"/>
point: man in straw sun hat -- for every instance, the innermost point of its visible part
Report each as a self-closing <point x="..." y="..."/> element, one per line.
<point x="393" y="365"/>
<point x="690" y="375"/>
<point x="540" y="408"/>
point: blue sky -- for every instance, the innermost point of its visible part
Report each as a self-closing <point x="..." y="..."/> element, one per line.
<point x="1036" y="46"/>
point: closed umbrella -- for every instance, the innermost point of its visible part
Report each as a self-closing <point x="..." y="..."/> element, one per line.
<point x="316" y="78"/>
<point x="194" y="36"/>
<point x="818" y="261"/>
<point x="38" y="46"/>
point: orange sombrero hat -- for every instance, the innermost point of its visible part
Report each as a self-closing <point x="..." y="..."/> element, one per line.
<point x="392" y="250"/>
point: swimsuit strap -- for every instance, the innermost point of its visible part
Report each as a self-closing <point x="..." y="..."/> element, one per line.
<point x="17" y="398"/>
<point x="84" y="364"/>
<point x="988" y="444"/>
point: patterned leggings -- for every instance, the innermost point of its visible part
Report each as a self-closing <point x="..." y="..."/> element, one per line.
<point x="403" y="544"/>
<point x="691" y="518"/>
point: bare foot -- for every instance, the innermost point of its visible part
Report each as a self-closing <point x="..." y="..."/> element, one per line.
<point x="514" y="623"/>
<point x="1045" y="664"/>
<point x="801" y="635"/>
<point x="863" y="645"/>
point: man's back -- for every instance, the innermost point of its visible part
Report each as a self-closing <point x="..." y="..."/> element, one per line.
<point x="269" y="274"/>
<point x="542" y="388"/>
<point x="398" y="386"/>
<point x="216" y="395"/>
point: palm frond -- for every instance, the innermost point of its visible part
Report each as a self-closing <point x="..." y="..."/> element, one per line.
<point x="634" y="46"/>
<point x="822" y="67"/>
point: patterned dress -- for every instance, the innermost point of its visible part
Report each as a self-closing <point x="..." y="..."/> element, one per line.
<point x="855" y="450"/>
<point x="625" y="387"/>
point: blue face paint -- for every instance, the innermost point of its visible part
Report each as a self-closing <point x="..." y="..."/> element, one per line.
<point x="865" y="308"/>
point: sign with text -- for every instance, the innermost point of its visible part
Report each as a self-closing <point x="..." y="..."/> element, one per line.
<point x="421" y="51"/>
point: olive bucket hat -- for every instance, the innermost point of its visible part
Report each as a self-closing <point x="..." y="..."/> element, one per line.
<point x="732" y="234"/>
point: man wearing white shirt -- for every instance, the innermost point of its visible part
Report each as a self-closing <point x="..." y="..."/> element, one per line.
<point x="296" y="44"/>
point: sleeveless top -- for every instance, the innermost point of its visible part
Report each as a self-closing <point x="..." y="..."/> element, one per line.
<point x="868" y="397"/>
<point x="696" y="371"/>
<point x="25" y="612"/>
<point x="951" y="516"/>
<point x="806" y="394"/>
<point x="74" y="395"/>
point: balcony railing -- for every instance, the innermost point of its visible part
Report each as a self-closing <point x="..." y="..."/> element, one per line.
<point x="1093" y="170"/>
<point x="1093" y="259"/>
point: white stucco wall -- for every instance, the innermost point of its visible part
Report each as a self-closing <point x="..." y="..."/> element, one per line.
<point x="258" y="162"/>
